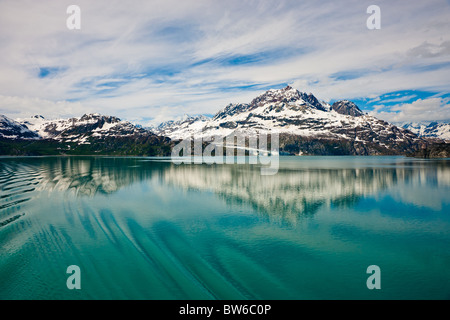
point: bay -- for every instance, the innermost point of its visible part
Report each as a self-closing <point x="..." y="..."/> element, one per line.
<point x="145" y="228"/>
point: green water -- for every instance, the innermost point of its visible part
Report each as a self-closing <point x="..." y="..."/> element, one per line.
<point x="144" y="228"/>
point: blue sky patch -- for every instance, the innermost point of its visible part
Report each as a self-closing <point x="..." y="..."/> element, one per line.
<point x="45" y="72"/>
<point x="394" y="98"/>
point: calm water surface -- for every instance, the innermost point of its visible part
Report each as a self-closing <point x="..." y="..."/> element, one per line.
<point x="144" y="228"/>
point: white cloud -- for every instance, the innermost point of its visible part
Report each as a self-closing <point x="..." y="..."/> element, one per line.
<point x="160" y="59"/>
<point x="432" y="109"/>
<point x="24" y="107"/>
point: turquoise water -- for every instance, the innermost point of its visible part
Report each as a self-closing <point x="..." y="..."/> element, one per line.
<point x="144" y="228"/>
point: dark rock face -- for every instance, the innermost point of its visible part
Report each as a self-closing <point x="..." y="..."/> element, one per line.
<point x="313" y="101"/>
<point x="121" y="146"/>
<point x="298" y="145"/>
<point x="347" y="108"/>
<point x="433" y="151"/>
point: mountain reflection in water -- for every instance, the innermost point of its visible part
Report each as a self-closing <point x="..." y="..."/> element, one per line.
<point x="301" y="186"/>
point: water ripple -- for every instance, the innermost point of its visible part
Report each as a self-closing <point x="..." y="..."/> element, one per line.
<point x="7" y="221"/>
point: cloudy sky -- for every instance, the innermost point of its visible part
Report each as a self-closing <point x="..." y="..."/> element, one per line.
<point x="150" y="61"/>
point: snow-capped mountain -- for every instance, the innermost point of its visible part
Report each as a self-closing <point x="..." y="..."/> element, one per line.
<point x="298" y="118"/>
<point x="82" y="128"/>
<point x="87" y="135"/>
<point x="182" y="128"/>
<point x="11" y="129"/>
<point x="429" y="130"/>
<point x="284" y="111"/>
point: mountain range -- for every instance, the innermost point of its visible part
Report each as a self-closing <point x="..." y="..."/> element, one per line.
<point x="306" y="126"/>
<point x="429" y="129"/>
<point x="90" y="134"/>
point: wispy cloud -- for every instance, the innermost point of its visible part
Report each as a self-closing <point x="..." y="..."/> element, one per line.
<point x="154" y="60"/>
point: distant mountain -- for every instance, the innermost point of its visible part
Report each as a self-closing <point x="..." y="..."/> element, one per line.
<point x="305" y="124"/>
<point x="11" y="129"/>
<point x="89" y="134"/>
<point x="81" y="129"/>
<point x="429" y="130"/>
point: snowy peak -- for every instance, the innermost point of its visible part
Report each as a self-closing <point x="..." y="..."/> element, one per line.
<point x="231" y="110"/>
<point x="287" y="95"/>
<point x="11" y="129"/>
<point x="98" y="118"/>
<point x="186" y="119"/>
<point x="274" y="99"/>
<point x="346" y="107"/>
<point x="184" y="127"/>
